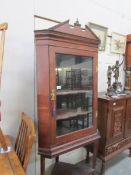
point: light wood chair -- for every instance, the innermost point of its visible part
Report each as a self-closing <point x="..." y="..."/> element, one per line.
<point x="25" y="139"/>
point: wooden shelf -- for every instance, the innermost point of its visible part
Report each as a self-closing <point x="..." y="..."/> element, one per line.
<point x="68" y="92"/>
<point x="64" y="114"/>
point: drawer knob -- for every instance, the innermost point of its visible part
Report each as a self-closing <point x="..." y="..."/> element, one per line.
<point x="114" y="104"/>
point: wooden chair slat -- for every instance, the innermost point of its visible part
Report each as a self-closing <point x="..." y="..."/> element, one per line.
<point x="25" y="139"/>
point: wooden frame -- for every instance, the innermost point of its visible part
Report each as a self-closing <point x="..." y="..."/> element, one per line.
<point x="101" y="33"/>
<point x="118" y="43"/>
<point x="3" y="27"/>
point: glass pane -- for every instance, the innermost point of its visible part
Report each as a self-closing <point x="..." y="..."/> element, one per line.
<point x="74" y="93"/>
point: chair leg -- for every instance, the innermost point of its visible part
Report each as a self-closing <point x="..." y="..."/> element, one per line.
<point x="57" y="159"/>
<point x="42" y="165"/>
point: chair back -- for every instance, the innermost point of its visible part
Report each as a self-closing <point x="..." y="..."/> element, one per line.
<point x="25" y="139"/>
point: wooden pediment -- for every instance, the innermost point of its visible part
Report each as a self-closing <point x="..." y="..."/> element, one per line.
<point x="75" y="29"/>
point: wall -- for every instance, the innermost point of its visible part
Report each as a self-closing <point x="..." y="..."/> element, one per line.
<point x="17" y="91"/>
<point x="17" y="88"/>
<point x="105" y="13"/>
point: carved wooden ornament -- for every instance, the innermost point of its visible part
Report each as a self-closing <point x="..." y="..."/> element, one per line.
<point x="4" y="26"/>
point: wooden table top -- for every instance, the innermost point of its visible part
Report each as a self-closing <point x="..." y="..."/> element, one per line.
<point x="9" y="162"/>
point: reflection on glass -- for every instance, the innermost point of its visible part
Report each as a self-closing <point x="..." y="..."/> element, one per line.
<point x="74" y="93"/>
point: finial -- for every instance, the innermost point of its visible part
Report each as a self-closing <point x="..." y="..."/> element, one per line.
<point x="77" y="23"/>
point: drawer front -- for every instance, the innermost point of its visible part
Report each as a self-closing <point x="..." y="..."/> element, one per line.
<point x="117" y="103"/>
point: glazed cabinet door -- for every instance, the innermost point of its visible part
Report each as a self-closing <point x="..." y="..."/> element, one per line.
<point x="115" y="129"/>
<point x="71" y="78"/>
<point x="128" y="118"/>
<point x="74" y="93"/>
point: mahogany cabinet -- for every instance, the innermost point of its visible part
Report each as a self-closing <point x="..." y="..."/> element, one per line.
<point x="66" y="63"/>
<point x="114" y="123"/>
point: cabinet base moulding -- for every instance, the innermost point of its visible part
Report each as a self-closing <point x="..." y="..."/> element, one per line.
<point x="124" y="144"/>
<point x="61" y="149"/>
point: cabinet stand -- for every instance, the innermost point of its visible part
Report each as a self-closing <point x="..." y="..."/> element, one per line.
<point x="91" y="144"/>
